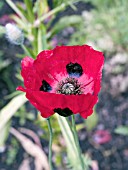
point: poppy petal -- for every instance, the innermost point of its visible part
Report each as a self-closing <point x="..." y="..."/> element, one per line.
<point x="49" y="101"/>
<point x="29" y="74"/>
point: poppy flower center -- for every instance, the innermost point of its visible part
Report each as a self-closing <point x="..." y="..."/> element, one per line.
<point x="69" y="86"/>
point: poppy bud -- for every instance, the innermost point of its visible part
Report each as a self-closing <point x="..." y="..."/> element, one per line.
<point x="14" y="34"/>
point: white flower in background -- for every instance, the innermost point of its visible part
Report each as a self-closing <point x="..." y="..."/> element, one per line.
<point x="14" y="34"/>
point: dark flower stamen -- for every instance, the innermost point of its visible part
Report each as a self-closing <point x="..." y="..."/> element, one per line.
<point x="74" y="69"/>
<point x="45" y="87"/>
<point x="69" y="86"/>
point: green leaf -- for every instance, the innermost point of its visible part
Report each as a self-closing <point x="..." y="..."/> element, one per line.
<point x="41" y="7"/>
<point x="42" y="40"/>
<point x="4" y="64"/>
<point x="70" y="142"/>
<point x="29" y="10"/>
<point x="66" y="22"/>
<point x="4" y="134"/>
<point x="91" y="121"/>
<point x="19" y="21"/>
<point x="16" y="9"/>
<point x="40" y="44"/>
<point x="122" y="130"/>
<point x="35" y="41"/>
<point x="10" y="109"/>
<point x="28" y="51"/>
<point x="23" y="10"/>
<point x="13" y="94"/>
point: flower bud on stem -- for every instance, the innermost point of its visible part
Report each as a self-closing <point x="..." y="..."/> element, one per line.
<point x="14" y="34"/>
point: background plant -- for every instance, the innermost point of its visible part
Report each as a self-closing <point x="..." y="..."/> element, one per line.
<point x="106" y="25"/>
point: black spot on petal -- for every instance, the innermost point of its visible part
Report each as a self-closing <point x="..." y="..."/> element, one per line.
<point x="74" y="69"/>
<point x="45" y="86"/>
<point x="63" y="112"/>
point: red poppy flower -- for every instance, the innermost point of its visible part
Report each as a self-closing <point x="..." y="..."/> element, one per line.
<point x="65" y="80"/>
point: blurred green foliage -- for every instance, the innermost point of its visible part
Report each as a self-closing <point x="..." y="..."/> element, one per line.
<point x="23" y="117"/>
<point x="12" y="152"/>
<point x="92" y="121"/>
<point x="41" y="122"/>
<point x="1" y="5"/>
<point x="4" y="134"/>
<point x="122" y="130"/>
<point x="111" y="18"/>
<point x="3" y="63"/>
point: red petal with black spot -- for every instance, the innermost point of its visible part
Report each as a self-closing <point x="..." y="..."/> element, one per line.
<point x="65" y="80"/>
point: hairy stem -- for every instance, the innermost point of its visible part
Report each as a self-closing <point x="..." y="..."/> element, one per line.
<point x="77" y="142"/>
<point x="50" y="143"/>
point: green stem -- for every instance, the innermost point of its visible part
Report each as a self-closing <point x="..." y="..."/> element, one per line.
<point x="77" y="142"/>
<point x="57" y="9"/>
<point x="39" y="39"/>
<point x="14" y="7"/>
<point x="26" y="50"/>
<point x="50" y="143"/>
